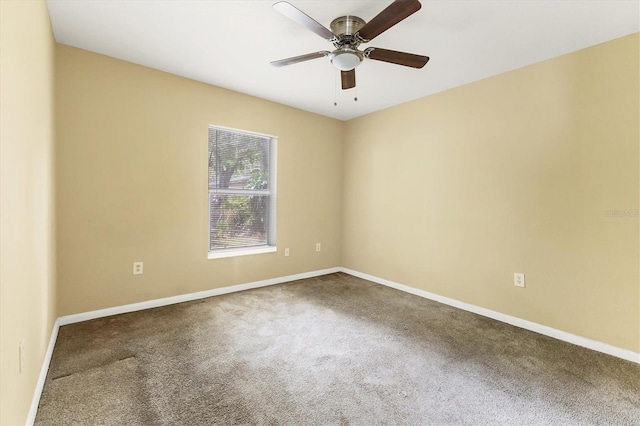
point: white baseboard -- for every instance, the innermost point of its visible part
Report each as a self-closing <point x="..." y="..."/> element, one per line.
<point x="33" y="409"/>
<point x="85" y="316"/>
<point x="155" y="303"/>
<point x="518" y="322"/>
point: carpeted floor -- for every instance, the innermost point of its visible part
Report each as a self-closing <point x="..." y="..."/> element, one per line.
<point x="328" y="350"/>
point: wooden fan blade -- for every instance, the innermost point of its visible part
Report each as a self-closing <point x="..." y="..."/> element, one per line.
<point x="295" y="14"/>
<point x="301" y="58"/>
<point x="348" y="79"/>
<point x="394" y="13"/>
<point x="399" y="58"/>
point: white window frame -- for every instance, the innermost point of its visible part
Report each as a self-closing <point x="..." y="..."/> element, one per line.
<point x="270" y="247"/>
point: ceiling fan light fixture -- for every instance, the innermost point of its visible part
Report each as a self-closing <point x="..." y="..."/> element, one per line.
<point x="346" y="59"/>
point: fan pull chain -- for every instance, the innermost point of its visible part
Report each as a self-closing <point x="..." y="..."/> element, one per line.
<point x="335" y="90"/>
<point x="355" y="98"/>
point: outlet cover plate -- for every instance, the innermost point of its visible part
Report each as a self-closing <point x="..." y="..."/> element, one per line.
<point x="518" y="279"/>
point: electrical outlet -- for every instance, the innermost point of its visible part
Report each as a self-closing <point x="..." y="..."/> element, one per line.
<point x="20" y="356"/>
<point x="518" y="280"/>
<point x="286" y="251"/>
<point x="138" y="268"/>
<point x="318" y="247"/>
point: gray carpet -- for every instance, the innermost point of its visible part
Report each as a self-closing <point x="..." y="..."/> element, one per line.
<point x="328" y="350"/>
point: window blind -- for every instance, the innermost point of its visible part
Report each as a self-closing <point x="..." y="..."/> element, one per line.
<point x="239" y="189"/>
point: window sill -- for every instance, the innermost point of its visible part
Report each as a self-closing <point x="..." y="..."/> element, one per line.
<point x="241" y="252"/>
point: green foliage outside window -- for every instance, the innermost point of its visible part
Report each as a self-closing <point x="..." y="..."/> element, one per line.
<point x="238" y="163"/>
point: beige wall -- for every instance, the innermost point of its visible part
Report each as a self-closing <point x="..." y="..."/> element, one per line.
<point x="455" y="192"/>
<point x="511" y="174"/>
<point x="27" y="286"/>
<point x="132" y="183"/>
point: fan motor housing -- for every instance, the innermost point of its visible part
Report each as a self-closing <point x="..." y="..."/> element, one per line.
<point x="346" y="25"/>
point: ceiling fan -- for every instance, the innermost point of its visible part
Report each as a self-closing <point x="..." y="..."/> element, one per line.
<point x="348" y="32"/>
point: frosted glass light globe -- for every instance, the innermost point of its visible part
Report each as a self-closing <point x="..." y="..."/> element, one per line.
<point x="346" y="60"/>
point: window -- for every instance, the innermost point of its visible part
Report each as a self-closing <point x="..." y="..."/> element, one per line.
<point x="242" y="195"/>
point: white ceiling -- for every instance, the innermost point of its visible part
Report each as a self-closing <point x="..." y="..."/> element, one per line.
<point x="230" y="43"/>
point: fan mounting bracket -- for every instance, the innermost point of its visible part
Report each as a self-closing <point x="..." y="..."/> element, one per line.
<point x="346" y="30"/>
